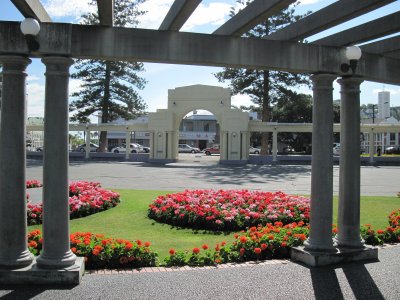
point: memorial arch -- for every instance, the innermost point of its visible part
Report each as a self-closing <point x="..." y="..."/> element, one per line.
<point x="234" y="123"/>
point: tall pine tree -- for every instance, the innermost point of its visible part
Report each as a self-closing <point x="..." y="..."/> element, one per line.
<point x="264" y="87"/>
<point x="109" y="87"/>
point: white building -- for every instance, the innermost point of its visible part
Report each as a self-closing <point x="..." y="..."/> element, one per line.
<point x="383" y="104"/>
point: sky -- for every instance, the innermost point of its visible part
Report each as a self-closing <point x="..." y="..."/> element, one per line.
<point x="160" y="77"/>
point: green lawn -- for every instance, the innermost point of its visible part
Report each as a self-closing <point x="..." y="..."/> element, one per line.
<point x="129" y="221"/>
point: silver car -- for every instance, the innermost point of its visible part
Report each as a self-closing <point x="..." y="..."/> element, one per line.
<point x="184" y="148"/>
<point x="254" y="150"/>
<point x="134" y="148"/>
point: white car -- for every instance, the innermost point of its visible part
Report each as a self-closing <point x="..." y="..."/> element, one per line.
<point x="336" y="150"/>
<point x="254" y="150"/>
<point x="134" y="148"/>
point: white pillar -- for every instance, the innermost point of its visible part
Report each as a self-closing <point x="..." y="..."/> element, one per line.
<point x="87" y="148"/>
<point x="349" y="173"/>
<point x="13" y="226"/>
<point x="56" y="251"/>
<point x="371" y="138"/>
<point x="320" y="238"/>
<point x="275" y="145"/>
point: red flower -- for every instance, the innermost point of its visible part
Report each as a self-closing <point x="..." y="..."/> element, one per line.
<point x="196" y="250"/>
<point x="243" y="239"/>
<point x="73" y="249"/>
<point x="147" y="244"/>
<point x="257" y="250"/>
<point x="270" y="237"/>
<point x="128" y="246"/>
<point x="242" y="251"/>
<point x="172" y="252"/>
<point x="264" y="246"/>
<point x="380" y="231"/>
<point x="284" y="244"/>
<point x="205" y="246"/>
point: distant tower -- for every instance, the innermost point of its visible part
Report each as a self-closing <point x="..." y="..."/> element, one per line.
<point x="384" y="104"/>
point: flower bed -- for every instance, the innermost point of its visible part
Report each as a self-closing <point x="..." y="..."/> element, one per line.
<point x="101" y="252"/>
<point x="86" y="198"/>
<point x="257" y="243"/>
<point x="30" y="184"/>
<point x="228" y="209"/>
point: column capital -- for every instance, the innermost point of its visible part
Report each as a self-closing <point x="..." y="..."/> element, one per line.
<point x="57" y="65"/>
<point x="14" y="63"/>
<point x="323" y="81"/>
<point x="350" y="84"/>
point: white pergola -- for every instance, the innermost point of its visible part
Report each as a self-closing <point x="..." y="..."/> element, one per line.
<point x="60" y="42"/>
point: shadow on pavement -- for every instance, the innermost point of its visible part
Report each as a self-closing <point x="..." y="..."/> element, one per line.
<point x="326" y="284"/>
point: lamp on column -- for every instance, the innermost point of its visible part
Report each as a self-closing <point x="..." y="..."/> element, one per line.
<point x="353" y="54"/>
<point x="30" y="28"/>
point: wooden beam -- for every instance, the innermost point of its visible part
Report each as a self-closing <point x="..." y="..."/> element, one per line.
<point x="382" y="46"/>
<point x="32" y="9"/>
<point x="327" y="17"/>
<point x="364" y="32"/>
<point x="133" y="44"/>
<point x="253" y="14"/>
<point x="178" y="14"/>
<point x="106" y="12"/>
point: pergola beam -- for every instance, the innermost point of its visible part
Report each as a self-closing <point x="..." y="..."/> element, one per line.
<point x="106" y="12"/>
<point x="364" y="32"/>
<point x="330" y="16"/>
<point x="178" y="14"/>
<point x="253" y="14"/>
<point x="382" y="46"/>
<point x="32" y="9"/>
<point x="133" y="44"/>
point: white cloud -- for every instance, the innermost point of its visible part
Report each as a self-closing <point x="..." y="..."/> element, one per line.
<point x="70" y="8"/>
<point x="308" y="2"/>
<point x="213" y="14"/>
<point x="32" y="78"/>
<point x="241" y="99"/>
<point x="35" y="101"/>
<point x="156" y="12"/>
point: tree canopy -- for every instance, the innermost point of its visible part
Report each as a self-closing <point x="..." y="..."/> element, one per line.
<point x="109" y="88"/>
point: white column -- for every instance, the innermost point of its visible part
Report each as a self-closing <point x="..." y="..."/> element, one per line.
<point x="371" y="138"/>
<point x="56" y="251"/>
<point x="349" y="172"/>
<point x="320" y="238"/>
<point x="275" y="145"/>
<point x="13" y="226"/>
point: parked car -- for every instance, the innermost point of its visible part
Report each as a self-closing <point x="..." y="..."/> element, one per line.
<point x="392" y="150"/>
<point x="288" y="149"/>
<point x="254" y="150"/>
<point x="146" y="149"/>
<point x="134" y="148"/>
<point x="82" y="148"/>
<point x="212" y="150"/>
<point x="184" y="148"/>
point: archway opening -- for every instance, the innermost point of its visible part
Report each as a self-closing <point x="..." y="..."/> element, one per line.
<point x="199" y="131"/>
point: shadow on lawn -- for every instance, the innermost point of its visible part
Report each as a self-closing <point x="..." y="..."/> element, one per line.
<point x="194" y="230"/>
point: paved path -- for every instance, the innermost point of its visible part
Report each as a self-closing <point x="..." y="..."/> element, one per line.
<point x="378" y="280"/>
<point x="197" y="173"/>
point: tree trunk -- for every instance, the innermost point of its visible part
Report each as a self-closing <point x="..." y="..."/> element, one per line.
<point x="265" y="113"/>
<point x="103" y="147"/>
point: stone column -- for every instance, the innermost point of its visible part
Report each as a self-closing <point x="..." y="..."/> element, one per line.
<point x="87" y="143"/>
<point x="56" y="251"/>
<point x="127" y="143"/>
<point x="349" y="172"/>
<point x="13" y="232"/>
<point x="275" y="145"/>
<point x="320" y="238"/>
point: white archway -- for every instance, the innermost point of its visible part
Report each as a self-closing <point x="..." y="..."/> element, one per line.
<point x="234" y="123"/>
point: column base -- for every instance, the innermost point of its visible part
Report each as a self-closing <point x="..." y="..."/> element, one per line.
<point x="46" y="262"/>
<point x="351" y="243"/>
<point x="32" y="274"/>
<point x="23" y="260"/>
<point x="314" y="247"/>
<point x="320" y="259"/>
